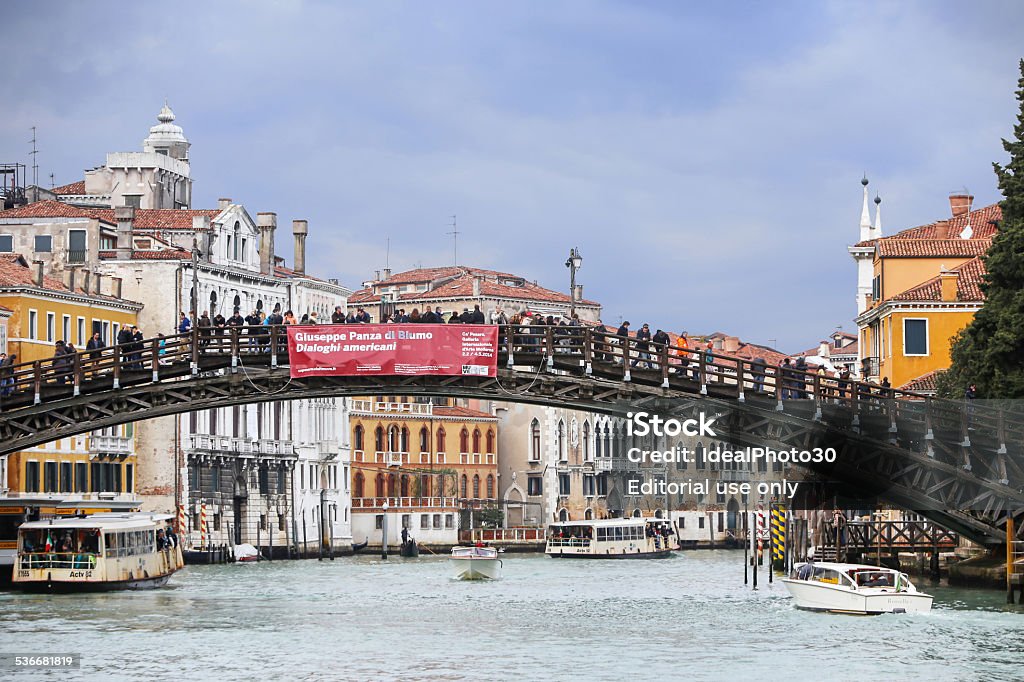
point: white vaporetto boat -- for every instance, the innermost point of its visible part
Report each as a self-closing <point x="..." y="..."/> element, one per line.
<point x="99" y="552"/>
<point x="475" y="563"/>
<point x="632" y="538"/>
<point x="854" y="588"/>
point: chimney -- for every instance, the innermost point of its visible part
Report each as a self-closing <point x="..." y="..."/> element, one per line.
<point x="124" y="215"/>
<point x="267" y="223"/>
<point x="949" y="285"/>
<point x="300" y="228"/>
<point x="39" y="273"/>
<point x="99" y="284"/>
<point x="476" y="286"/>
<point x="201" y="228"/>
<point x="71" y="279"/>
<point x="386" y="273"/>
<point x="117" y="286"/>
<point x="960" y="204"/>
<point x="85" y="281"/>
<point x="223" y="203"/>
<point x="731" y="344"/>
<point x="942" y="229"/>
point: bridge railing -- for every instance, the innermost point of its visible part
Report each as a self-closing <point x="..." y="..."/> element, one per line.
<point x="894" y="535"/>
<point x="576" y="349"/>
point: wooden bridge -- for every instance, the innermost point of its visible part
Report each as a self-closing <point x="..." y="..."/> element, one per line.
<point x="961" y="466"/>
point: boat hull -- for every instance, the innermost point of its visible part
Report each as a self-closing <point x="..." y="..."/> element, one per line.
<point x="662" y="554"/>
<point x="475" y="568"/>
<point x="816" y="596"/>
<point x="71" y="587"/>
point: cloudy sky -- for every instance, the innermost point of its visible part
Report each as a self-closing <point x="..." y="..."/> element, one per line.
<point x="704" y="157"/>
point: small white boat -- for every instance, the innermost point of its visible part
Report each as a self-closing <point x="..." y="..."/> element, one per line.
<point x="246" y="553"/>
<point x="476" y="563"/>
<point x="854" y="588"/>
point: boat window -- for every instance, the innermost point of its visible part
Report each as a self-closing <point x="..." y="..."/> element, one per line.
<point x="826" y="575"/>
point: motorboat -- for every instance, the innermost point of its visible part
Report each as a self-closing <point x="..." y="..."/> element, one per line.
<point x="631" y="538"/>
<point x="854" y="588"/>
<point x="105" y="551"/>
<point x="476" y="563"/>
<point x="246" y="553"/>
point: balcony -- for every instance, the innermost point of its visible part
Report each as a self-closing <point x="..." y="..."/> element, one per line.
<point x="869" y="367"/>
<point x="273" y="447"/>
<point x="110" y="445"/>
<point x="76" y="257"/>
<point x="327" y="448"/>
<point x="373" y="407"/>
<point x="393" y="459"/>
<point x="603" y="464"/>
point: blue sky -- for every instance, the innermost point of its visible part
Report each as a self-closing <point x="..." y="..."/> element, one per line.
<point x="704" y="157"/>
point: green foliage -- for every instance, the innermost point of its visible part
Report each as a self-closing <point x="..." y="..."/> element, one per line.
<point x="490" y="517"/>
<point x="990" y="351"/>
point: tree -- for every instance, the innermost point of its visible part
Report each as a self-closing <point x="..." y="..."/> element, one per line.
<point x="989" y="352"/>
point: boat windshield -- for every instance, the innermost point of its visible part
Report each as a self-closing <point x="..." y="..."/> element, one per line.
<point x="867" y="578"/>
<point x="59" y="548"/>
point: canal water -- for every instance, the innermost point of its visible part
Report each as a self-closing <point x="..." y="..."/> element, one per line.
<point x="360" y="618"/>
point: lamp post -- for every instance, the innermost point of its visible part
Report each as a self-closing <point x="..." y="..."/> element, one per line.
<point x="574" y="262"/>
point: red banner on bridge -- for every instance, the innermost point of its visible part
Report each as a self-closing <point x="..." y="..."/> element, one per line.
<point x="393" y="349"/>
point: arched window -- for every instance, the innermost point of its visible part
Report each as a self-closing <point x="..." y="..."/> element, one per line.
<point x="636" y="513"/>
<point x="424" y="485"/>
<point x="476" y="440"/>
<point x="380" y="485"/>
<point x="586" y="441"/>
<point x="404" y="444"/>
<point x="680" y="462"/>
<point x="464" y="484"/>
<point x="392" y="484"/>
<point x="535" y="440"/>
<point x="599" y="441"/>
<point x="490" y="486"/>
<point x="589" y="514"/>
<point x="476" y="485"/>
<point x="236" y="304"/>
<point x="699" y="456"/>
<point x="213" y="303"/>
<point x="393" y="438"/>
<point x="562" y="453"/>
<point x="424" y="439"/>
<point x="358" y="487"/>
<point x="563" y="515"/>
<point x="490" y="441"/>
<point x="440" y="440"/>
<point x="405" y="485"/>
<point x="378" y="439"/>
<point x="357" y="436"/>
<point x="238" y="234"/>
<point x="464" y="441"/>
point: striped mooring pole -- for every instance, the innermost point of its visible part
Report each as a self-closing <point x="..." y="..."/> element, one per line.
<point x="202" y="525"/>
<point x="778" y="531"/>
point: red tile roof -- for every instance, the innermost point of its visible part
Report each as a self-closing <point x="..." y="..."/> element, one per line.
<point x="924" y="383"/>
<point x="160" y="219"/>
<point x="54" y="209"/>
<point x="981" y="225"/>
<point x="933" y="248"/>
<point x="458" y="411"/>
<point x="70" y="188"/>
<point x="16" y="272"/>
<point x="970" y="276"/>
<point x="493" y="284"/>
<point x="169" y="254"/>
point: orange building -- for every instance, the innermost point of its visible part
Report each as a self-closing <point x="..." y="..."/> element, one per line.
<point x="925" y="286"/>
<point x="423" y="461"/>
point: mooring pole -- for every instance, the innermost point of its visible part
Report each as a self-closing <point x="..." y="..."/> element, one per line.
<point x="1009" y="561"/>
<point x="746" y="541"/>
<point x="753" y="545"/>
<point x="384" y="534"/>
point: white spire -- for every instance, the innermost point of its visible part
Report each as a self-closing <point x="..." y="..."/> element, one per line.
<point x="865" y="215"/>
<point x="877" y="230"/>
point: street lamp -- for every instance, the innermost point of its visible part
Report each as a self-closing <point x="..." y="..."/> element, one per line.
<point x="574" y="262"/>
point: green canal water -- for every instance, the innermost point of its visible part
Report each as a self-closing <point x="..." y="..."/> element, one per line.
<point x="360" y="618"/>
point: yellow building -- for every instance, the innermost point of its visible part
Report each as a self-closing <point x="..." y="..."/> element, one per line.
<point x="43" y="310"/>
<point x="925" y="286"/>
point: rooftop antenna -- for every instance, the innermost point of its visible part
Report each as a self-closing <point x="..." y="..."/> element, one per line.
<point x="52" y="183"/>
<point x="455" y="240"/>
<point x="387" y="252"/>
<point x="35" y="165"/>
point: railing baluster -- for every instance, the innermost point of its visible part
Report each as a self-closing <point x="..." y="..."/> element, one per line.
<point x="235" y="343"/>
<point x="510" y="340"/>
<point x="625" y="359"/>
<point x="154" y="361"/>
<point x="194" y="341"/>
<point x="77" y="371"/>
<point x="588" y="352"/>
<point x="273" y="346"/>
<point x="37" y="380"/>
<point x="117" y="366"/>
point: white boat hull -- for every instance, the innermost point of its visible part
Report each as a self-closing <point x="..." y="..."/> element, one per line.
<point x="475" y="568"/>
<point x="817" y="596"/>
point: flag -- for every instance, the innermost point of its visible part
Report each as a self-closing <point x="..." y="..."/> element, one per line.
<point x="48" y="547"/>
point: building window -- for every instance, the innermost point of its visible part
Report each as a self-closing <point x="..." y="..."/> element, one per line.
<point x="490" y="486"/>
<point x="563" y="484"/>
<point x="562" y="452"/>
<point x="81" y="477"/>
<point x="76" y="246"/>
<point x="129" y="478"/>
<point x="588" y="485"/>
<point x="464" y="487"/>
<point x="424" y="439"/>
<point x="535" y="441"/>
<point x="437" y="521"/>
<point x="32" y="477"/>
<point x="66" y="484"/>
<point x="282" y="481"/>
<point x="133" y="200"/>
<point x="51" y="324"/>
<point x="915" y="336"/>
<point x="33" y="325"/>
<point x="43" y="243"/>
<point x="449" y="521"/>
<point x="700" y="522"/>
<point x="6" y="243"/>
<point x="534" y="485"/>
<point x="476" y="440"/>
<point x="440" y="443"/>
<point x="476" y="486"/>
<point x="586" y="441"/>
<point x="66" y="329"/>
<point x="81" y="333"/>
<point x="360" y="482"/>
<point x="406" y="520"/>
<point x="378" y="439"/>
<point x="51" y="484"/>
<point x="602" y="484"/>
<point x="424" y="521"/>
<point x="264" y="479"/>
<point x="358" y="437"/>
<point x="379" y="522"/>
<point x="464" y="441"/>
